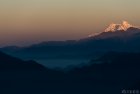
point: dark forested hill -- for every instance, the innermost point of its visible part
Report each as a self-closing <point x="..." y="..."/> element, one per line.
<point x="109" y="74"/>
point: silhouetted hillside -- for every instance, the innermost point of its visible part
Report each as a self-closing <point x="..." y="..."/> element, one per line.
<point x="24" y="77"/>
<point x="109" y="74"/>
<point x="11" y="63"/>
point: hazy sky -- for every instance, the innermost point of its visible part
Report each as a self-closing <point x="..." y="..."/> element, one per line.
<point x="23" y="22"/>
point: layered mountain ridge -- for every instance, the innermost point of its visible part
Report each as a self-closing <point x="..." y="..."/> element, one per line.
<point x="117" y="37"/>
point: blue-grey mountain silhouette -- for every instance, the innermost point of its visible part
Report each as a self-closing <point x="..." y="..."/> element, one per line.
<point x="117" y="37"/>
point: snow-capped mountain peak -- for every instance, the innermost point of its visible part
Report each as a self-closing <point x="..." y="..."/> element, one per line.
<point x="123" y="27"/>
<point x="115" y="27"/>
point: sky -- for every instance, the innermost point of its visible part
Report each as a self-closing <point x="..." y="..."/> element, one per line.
<point x="25" y="22"/>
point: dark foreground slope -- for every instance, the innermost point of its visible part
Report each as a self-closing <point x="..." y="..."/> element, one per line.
<point x="10" y="63"/>
<point x="23" y="77"/>
<point x="113" y="73"/>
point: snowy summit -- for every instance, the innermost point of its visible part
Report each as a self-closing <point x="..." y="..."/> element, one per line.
<point x="124" y="26"/>
<point x="115" y="27"/>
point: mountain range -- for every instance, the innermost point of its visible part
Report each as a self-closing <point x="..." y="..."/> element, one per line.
<point x="117" y="37"/>
<point x="113" y="64"/>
